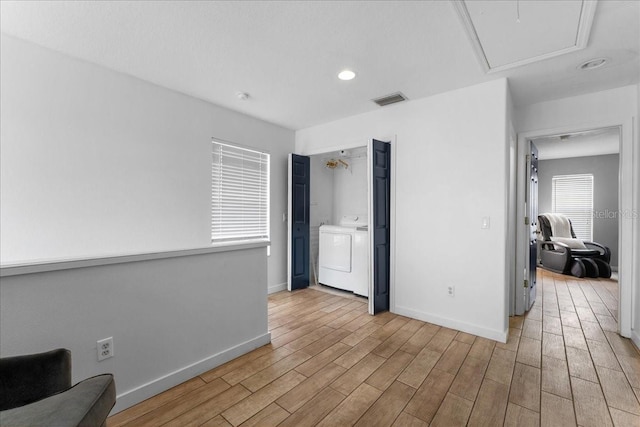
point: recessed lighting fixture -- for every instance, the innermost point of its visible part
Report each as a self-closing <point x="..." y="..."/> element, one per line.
<point x="346" y="75"/>
<point x="242" y="96"/>
<point x="592" y="64"/>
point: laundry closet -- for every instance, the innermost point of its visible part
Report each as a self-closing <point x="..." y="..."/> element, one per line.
<point x="339" y="238"/>
<point x="339" y="221"/>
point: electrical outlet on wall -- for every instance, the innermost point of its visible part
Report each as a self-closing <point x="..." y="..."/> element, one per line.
<point x="105" y="348"/>
<point x="451" y="291"/>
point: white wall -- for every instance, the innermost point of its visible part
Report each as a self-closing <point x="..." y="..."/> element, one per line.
<point x="635" y="320"/>
<point x="99" y="163"/>
<point x="606" y="108"/>
<point x="511" y="200"/>
<point x="320" y="209"/>
<point x="170" y="319"/>
<point x="449" y="171"/>
<point x="321" y="192"/>
<point x="350" y="188"/>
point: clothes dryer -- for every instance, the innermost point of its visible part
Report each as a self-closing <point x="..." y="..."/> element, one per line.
<point x="343" y="255"/>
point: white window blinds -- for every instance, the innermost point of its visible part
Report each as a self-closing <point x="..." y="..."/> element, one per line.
<point x="239" y="193"/>
<point x="572" y="195"/>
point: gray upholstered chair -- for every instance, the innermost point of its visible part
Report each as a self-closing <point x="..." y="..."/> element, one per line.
<point x="563" y="253"/>
<point x="35" y="390"/>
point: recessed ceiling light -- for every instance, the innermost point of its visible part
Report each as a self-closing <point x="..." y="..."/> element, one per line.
<point x="592" y="64"/>
<point x="346" y="75"/>
<point x="242" y="96"/>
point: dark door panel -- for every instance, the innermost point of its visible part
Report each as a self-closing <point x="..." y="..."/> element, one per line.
<point x="533" y="224"/>
<point x="381" y="162"/>
<point x="300" y="185"/>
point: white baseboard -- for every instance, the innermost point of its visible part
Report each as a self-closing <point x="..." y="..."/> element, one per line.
<point x="635" y="337"/>
<point x="277" y="288"/>
<point x="145" y="391"/>
<point x="453" y="324"/>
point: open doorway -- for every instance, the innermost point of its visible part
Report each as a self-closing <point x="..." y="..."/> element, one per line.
<point x="341" y="201"/>
<point x="339" y="221"/>
<point x="573" y="155"/>
<point x="578" y="177"/>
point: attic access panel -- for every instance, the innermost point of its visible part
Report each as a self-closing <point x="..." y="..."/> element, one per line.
<point x="545" y="29"/>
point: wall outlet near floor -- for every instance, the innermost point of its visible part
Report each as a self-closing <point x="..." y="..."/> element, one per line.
<point x="451" y="291"/>
<point x="105" y="348"/>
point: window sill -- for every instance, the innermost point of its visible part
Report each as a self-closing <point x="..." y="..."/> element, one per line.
<point x="67" y="264"/>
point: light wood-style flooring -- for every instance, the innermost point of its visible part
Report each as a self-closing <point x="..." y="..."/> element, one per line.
<point x="331" y="364"/>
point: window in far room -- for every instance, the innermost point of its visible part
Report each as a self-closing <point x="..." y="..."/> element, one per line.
<point x="239" y="194"/>
<point x="572" y="195"/>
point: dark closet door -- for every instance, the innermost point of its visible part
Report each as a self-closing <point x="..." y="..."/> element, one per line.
<point x="381" y="162"/>
<point x="533" y="225"/>
<point x="299" y="221"/>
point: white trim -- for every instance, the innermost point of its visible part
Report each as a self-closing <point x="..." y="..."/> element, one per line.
<point x="635" y="337"/>
<point x="472" y="35"/>
<point x="131" y="397"/>
<point x="392" y="231"/>
<point x="469" y="328"/>
<point x="68" y="264"/>
<point x="584" y="29"/>
<point x="235" y="144"/>
<point x="628" y="199"/>
<point x="511" y="223"/>
<point x="356" y="143"/>
<point x="277" y="288"/>
<point x="635" y="243"/>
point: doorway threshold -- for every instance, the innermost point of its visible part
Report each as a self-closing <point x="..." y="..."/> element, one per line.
<point x="335" y="291"/>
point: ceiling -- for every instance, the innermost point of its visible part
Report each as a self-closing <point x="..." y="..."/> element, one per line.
<point x="595" y="142"/>
<point x="524" y="26"/>
<point x="286" y="55"/>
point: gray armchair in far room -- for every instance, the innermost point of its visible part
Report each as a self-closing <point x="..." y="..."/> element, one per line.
<point x="35" y="390"/>
<point x="563" y="253"/>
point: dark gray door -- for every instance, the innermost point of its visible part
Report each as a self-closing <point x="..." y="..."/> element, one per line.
<point x="533" y="225"/>
<point x="381" y="158"/>
<point x="299" y="223"/>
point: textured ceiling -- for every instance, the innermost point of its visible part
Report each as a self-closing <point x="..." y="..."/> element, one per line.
<point x="590" y="143"/>
<point x="286" y="54"/>
<point x="524" y="28"/>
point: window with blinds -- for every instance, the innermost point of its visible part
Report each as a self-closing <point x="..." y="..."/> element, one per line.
<point x="239" y="193"/>
<point x="572" y="195"/>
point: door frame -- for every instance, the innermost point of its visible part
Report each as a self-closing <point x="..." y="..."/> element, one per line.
<point x="358" y="143"/>
<point x="531" y="277"/>
<point x="627" y="202"/>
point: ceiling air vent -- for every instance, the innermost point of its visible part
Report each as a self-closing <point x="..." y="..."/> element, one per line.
<point x="390" y="99"/>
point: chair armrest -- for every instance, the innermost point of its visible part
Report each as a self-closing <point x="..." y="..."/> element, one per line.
<point x="558" y="247"/>
<point x="604" y="251"/>
<point x="88" y="403"/>
<point x="555" y="245"/>
<point x="558" y="258"/>
<point x="25" y="379"/>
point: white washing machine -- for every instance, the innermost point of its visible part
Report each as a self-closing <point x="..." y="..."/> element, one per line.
<point x="343" y="255"/>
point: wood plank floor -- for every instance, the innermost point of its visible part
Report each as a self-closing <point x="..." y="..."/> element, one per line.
<point x="331" y="364"/>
